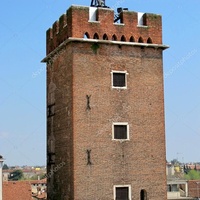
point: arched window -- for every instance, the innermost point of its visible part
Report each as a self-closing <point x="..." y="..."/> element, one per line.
<point x="105" y="37"/>
<point x="123" y="38"/>
<point x="132" y="39"/>
<point x="96" y="36"/>
<point x="140" y="40"/>
<point x="149" y="40"/>
<point x="143" y="195"/>
<point x="86" y="35"/>
<point x="114" y="38"/>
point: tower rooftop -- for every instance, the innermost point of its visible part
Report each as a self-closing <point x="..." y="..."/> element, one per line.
<point x="97" y="23"/>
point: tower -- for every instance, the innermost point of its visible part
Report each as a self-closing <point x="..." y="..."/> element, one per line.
<point x="105" y="106"/>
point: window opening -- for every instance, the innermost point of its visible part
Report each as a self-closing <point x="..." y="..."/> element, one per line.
<point x="119" y="79"/>
<point x="96" y="36"/>
<point x="86" y="35"/>
<point x="143" y="195"/>
<point x="123" y="38"/>
<point x="120" y="131"/>
<point x="105" y="37"/>
<point x="122" y="192"/>
<point x="140" y="40"/>
<point x="114" y="38"/>
<point x="132" y="39"/>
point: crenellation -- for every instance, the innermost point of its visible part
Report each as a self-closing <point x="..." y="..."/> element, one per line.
<point x="105" y="16"/>
<point x="62" y="22"/>
<point x="55" y="28"/>
<point x="49" y="38"/>
<point x="63" y="29"/>
<point x="76" y="22"/>
<point x="153" y="20"/>
<point x="49" y="34"/>
<point x="129" y="18"/>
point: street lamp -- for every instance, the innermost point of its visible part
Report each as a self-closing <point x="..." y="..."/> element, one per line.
<point x="1" y="180"/>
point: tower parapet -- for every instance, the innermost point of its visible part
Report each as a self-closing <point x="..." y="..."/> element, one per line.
<point x="97" y="23"/>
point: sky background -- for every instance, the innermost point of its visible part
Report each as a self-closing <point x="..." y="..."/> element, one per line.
<point x="23" y="26"/>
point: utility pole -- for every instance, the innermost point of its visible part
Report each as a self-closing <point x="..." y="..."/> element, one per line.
<point x="1" y="179"/>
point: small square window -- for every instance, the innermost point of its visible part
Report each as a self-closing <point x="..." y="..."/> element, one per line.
<point x="120" y="131"/>
<point x="119" y="79"/>
<point x="122" y="192"/>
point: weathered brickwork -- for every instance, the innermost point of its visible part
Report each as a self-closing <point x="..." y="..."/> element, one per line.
<point x="84" y="107"/>
<point x="75" y="23"/>
<point x="193" y="188"/>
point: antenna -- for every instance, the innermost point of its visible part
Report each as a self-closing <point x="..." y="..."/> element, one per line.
<point x="98" y="3"/>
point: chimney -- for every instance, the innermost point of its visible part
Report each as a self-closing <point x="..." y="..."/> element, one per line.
<point x="1" y="180"/>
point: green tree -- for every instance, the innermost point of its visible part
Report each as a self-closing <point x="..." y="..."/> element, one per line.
<point x="5" y="167"/>
<point x="16" y="175"/>
<point x="192" y="175"/>
<point x="41" y="176"/>
<point x="175" y="162"/>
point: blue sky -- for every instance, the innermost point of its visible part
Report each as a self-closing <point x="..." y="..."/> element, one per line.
<point x="23" y="26"/>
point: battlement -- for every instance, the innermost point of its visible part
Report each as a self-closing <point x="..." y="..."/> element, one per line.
<point x="98" y="23"/>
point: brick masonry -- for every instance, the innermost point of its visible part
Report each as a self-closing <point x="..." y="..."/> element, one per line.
<point x="75" y="23"/>
<point x="194" y="188"/>
<point x="77" y="70"/>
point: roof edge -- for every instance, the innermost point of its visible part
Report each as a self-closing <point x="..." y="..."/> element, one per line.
<point x="71" y="39"/>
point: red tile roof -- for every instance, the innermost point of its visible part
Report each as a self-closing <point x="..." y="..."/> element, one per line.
<point x="192" y="166"/>
<point x="17" y="190"/>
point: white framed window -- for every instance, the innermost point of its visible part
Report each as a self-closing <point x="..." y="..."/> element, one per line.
<point x="120" y="131"/>
<point x="119" y="79"/>
<point x="122" y="192"/>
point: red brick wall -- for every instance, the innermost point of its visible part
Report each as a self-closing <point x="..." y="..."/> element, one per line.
<point x="75" y="24"/>
<point x="139" y="162"/>
<point x="194" y="188"/>
<point x="59" y="127"/>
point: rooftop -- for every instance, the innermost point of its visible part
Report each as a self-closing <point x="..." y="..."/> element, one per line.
<point x="17" y="190"/>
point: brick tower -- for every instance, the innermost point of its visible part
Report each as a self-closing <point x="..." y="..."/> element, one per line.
<point x="105" y="106"/>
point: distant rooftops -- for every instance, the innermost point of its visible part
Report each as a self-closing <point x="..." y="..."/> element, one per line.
<point x="24" y="190"/>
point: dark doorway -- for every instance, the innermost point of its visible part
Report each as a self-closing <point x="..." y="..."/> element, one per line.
<point x="143" y="195"/>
